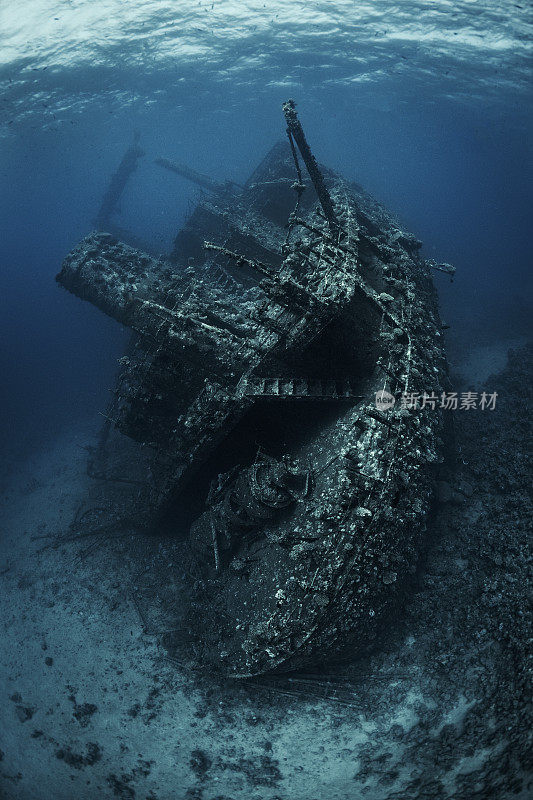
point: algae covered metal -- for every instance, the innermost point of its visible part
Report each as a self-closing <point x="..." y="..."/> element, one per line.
<point x="272" y="386"/>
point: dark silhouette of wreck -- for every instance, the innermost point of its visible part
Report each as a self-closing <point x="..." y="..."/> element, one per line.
<point x="261" y="342"/>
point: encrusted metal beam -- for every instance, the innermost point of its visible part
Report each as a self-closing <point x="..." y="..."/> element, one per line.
<point x="118" y="183"/>
<point x="294" y="129"/>
<point x="195" y="177"/>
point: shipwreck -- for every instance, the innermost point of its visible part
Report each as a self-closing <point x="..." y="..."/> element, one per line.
<point x="271" y="390"/>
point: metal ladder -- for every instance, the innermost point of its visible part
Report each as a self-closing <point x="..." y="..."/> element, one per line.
<point x="295" y="389"/>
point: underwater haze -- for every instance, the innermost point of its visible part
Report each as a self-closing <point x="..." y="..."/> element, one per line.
<point x="427" y="104"/>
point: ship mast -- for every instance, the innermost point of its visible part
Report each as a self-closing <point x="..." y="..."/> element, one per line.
<point x="296" y="134"/>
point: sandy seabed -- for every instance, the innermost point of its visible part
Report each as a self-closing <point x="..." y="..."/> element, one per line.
<point x="90" y="707"/>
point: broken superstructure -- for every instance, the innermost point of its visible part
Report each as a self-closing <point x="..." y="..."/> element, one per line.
<point x="261" y="342"/>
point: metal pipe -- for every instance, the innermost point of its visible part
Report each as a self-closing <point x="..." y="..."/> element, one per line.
<point x="294" y="129"/>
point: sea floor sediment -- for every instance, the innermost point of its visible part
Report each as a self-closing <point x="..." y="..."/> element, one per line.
<point x="91" y="706"/>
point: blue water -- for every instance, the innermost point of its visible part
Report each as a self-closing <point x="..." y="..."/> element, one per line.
<point x="427" y="105"/>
